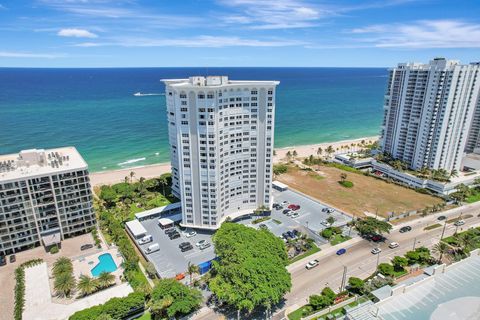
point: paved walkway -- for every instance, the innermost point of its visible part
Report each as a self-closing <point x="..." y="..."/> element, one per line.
<point x="38" y="301"/>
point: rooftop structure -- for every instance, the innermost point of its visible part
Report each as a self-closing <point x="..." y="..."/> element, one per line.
<point x="221" y="144"/>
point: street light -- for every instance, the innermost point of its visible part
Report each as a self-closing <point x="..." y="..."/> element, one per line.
<point x="443" y="231"/>
<point x="378" y="260"/>
<point x="344" y="278"/>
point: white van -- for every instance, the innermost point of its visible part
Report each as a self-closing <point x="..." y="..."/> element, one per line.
<point x="152" y="248"/>
<point x="148" y="238"/>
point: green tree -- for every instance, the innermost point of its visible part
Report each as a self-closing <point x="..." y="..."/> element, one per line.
<point x="294" y="153"/>
<point x="87" y="285"/>
<point x="327" y="292"/>
<point x="330" y="220"/>
<point x="319" y="151"/>
<point x="105" y="279"/>
<point x="386" y="269"/>
<point x="399" y="263"/>
<point x="132" y="174"/>
<point x="251" y="269"/>
<point x="441" y="249"/>
<point x="318" y="302"/>
<point x="108" y="195"/>
<point x="181" y="299"/>
<point x="356" y="285"/>
<point x="64" y="284"/>
<point x="191" y="270"/>
<point x="329" y="150"/>
<point x="370" y="225"/>
<point x="62" y="265"/>
<point x="279" y="169"/>
<point x="289" y="154"/>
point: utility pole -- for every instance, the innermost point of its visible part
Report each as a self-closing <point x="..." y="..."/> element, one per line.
<point x="344" y="278"/>
<point x="443" y="231"/>
<point x="414" y="242"/>
<point x="378" y="260"/>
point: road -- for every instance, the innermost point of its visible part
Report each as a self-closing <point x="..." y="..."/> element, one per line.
<point x="359" y="261"/>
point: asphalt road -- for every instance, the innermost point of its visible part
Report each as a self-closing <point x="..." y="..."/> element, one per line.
<point x="360" y="262"/>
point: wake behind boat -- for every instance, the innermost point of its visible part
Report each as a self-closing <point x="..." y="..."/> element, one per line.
<point x="139" y="94"/>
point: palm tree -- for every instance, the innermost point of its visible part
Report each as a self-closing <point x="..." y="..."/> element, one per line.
<point x="191" y="270"/>
<point x="105" y="279"/>
<point x="329" y="150"/>
<point x="126" y="179"/>
<point x="441" y="249"/>
<point x="132" y="174"/>
<point x="295" y="154"/>
<point x="163" y="181"/>
<point x="62" y="265"/>
<point x="159" y="307"/>
<point x="64" y="284"/>
<point x="319" y="151"/>
<point x="289" y="154"/>
<point x="87" y="285"/>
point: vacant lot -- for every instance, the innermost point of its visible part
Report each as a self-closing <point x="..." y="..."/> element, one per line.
<point x="367" y="193"/>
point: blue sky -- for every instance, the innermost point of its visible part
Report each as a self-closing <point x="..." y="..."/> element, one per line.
<point x="155" y="33"/>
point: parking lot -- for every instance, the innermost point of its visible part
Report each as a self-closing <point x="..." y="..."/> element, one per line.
<point x="169" y="260"/>
<point x="309" y="220"/>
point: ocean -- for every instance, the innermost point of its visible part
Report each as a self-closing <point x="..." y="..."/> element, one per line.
<point x="96" y="111"/>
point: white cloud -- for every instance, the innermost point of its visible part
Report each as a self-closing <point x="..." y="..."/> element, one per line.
<point x="196" y="42"/>
<point x="12" y="54"/>
<point x="77" y="33"/>
<point x="422" y="34"/>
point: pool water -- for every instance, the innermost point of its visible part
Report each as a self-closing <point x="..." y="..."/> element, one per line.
<point x="106" y="264"/>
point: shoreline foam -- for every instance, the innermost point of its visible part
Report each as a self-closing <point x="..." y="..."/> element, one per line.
<point x="155" y="170"/>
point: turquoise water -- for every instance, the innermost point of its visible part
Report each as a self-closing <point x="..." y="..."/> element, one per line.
<point x="106" y="264"/>
<point x="95" y="110"/>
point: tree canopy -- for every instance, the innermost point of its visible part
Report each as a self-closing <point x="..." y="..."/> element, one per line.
<point x="370" y="225"/>
<point x="251" y="270"/>
<point x="170" y="297"/>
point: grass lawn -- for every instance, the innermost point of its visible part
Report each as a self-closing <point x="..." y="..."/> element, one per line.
<point x="338" y="238"/>
<point x="158" y="201"/>
<point x="398" y="274"/>
<point x="432" y="226"/>
<point x="307" y="253"/>
<point x="474" y="196"/>
<point x="367" y="193"/>
<point x="277" y="221"/>
<point x="297" y="314"/>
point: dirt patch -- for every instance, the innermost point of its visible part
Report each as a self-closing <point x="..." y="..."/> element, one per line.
<point x="367" y="194"/>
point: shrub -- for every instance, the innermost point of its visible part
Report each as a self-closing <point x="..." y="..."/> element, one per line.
<point x="183" y="299"/>
<point x="19" y="291"/>
<point x="319" y="301"/>
<point x="327" y="233"/>
<point x="346" y="183"/>
<point x="327" y="292"/>
<point x="54" y="249"/>
<point x="356" y="285"/>
<point x="279" y="169"/>
<point x="256" y="221"/>
<point x="385" y="269"/>
<point x="116" y="308"/>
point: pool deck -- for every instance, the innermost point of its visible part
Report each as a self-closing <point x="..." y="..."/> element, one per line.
<point x="84" y="264"/>
<point x="38" y="299"/>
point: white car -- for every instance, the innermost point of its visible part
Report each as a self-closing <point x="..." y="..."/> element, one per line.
<point x="325" y="223"/>
<point x="148" y="238"/>
<point x="312" y="264"/>
<point x="191" y="234"/>
<point x="284" y="203"/>
<point x="376" y="250"/>
<point x="201" y="243"/>
<point x="295" y="215"/>
<point x="459" y="223"/>
<point x="393" y="245"/>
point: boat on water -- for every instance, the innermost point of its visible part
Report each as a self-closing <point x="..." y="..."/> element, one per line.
<point x="139" y="94"/>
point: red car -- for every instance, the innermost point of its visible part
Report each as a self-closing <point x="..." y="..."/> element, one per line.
<point x="294" y="207"/>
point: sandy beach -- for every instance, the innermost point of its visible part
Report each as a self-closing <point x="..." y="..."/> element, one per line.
<point x="155" y="170"/>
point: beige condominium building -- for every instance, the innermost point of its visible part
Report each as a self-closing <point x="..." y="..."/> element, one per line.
<point x="221" y="142"/>
<point x="45" y="197"/>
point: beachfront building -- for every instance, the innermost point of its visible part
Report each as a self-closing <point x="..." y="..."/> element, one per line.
<point x="45" y="197"/>
<point x="221" y="141"/>
<point x="430" y="117"/>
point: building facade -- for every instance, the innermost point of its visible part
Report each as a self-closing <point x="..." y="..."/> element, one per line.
<point x="430" y="113"/>
<point x="221" y="141"/>
<point x="45" y="197"/>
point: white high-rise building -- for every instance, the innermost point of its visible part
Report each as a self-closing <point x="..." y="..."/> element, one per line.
<point x="221" y="141"/>
<point x="429" y="111"/>
<point x="45" y="197"/>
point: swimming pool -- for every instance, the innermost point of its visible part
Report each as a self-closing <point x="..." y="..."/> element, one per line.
<point x="106" y="264"/>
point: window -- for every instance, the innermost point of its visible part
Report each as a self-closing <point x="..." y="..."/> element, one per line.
<point x="201" y="96"/>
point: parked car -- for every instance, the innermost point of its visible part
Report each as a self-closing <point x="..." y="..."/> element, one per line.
<point x="376" y="250"/>
<point x="286" y="235"/>
<point x="459" y="223"/>
<point x="292" y="234"/>
<point x="405" y="229"/>
<point x="286" y="211"/>
<point x="148" y="238"/>
<point x="441" y="218"/>
<point x="294" y="207"/>
<point x="185" y="246"/>
<point x="263" y="226"/>
<point x="377" y="238"/>
<point x="325" y="223"/>
<point x="284" y="203"/>
<point x="174" y="235"/>
<point x="295" y="215"/>
<point x="152" y="248"/>
<point x="341" y="251"/>
<point x="191" y="234"/>
<point x="393" y="245"/>
<point x="3" y="261"/>
<point x="328" y="210"/>
<point x="296" y="232"/>
<point x="312" y="264"/>
<point x="86" y="247"/>
<point x="205" y="246"/>
<point x="279" y="207"/>
<point x="201" y="242"/>
<point x="12" y="258"/>
<point x="170" y="230"/>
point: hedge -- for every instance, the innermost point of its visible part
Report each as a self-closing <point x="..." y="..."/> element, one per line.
<point x="19" y="291"/>
<point x="117" y="308"/>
